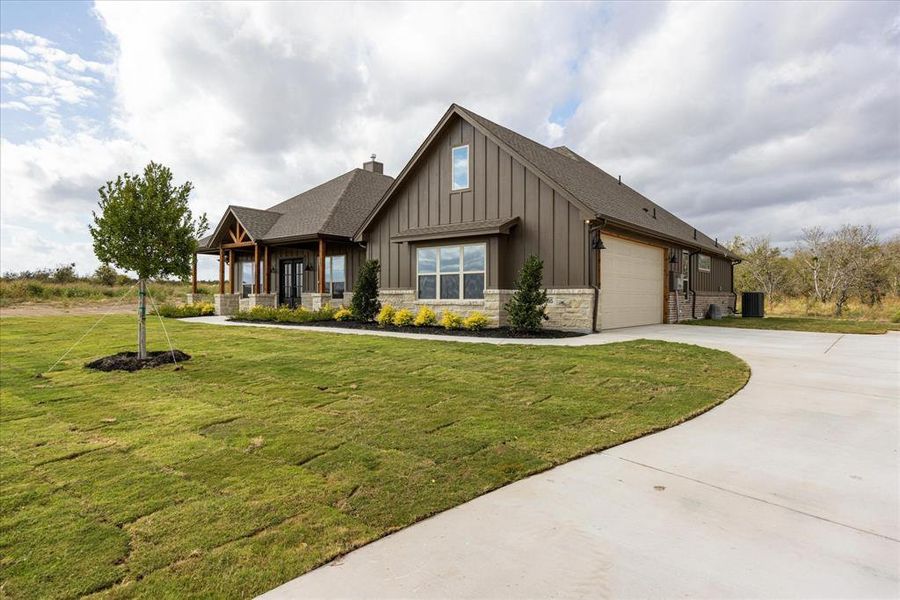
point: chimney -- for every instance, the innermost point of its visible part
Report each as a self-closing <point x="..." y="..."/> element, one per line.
<point x="374" y="166"/>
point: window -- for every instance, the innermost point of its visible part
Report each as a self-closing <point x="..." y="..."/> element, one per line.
<point x="703" y="262"/>
<point x="460" y="168"/>
<point x="685" y="270"/>
<point x="246" y="278"/>
<point x="335" y="275"/>
<point x="451" y="272"/>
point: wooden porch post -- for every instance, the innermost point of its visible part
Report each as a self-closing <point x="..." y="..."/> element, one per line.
<point x="231" y="271"/>
<point x="321" y="265"/>
<point x="267" y="277"/>
<point x="194" y="275"/>
<point x="256" y="268"/>
<point x="221" y="270"/>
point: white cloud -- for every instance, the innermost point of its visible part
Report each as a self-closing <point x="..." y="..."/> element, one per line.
<point x="741" y="118"/>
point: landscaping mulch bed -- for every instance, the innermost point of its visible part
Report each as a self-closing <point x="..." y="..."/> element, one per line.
<point x="129" y="361"/>
<point x="494" y="332"/>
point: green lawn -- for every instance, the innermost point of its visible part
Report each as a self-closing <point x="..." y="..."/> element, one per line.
<point x="801" y="324"/>
<point x="274" y="451"/>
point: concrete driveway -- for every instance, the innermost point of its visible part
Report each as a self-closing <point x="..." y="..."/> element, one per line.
<point x="789" y="489"/>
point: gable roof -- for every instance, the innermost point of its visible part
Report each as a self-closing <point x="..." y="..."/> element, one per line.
<point x="336" y="208"/>
<point x="578" y="180"/>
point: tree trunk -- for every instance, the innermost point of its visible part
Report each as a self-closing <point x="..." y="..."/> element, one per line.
<point x="142" y="319"/>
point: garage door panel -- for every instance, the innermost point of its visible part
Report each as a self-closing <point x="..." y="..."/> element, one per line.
<point x="631" y="283"/>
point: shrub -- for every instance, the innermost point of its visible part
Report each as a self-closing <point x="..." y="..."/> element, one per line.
<point x="284" y="314"/>
<point x="201" y="309"/>
<point x="106" y="275"/>
<point x="385" y="315"/>
<point x="65" y="273"/>
<point x="896" y="317"/>
<point x="425" y="317"/>
<point x="343" y="314"/>
<point x="527" y="308"/>
<point x="451" y="320"/>
<point x="476" y="321"/>
<point x="365" y="304"/>
<point x="327" y="311"/>
<point x="403" y="318"/>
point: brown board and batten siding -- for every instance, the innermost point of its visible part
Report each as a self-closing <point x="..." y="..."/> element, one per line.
<point x="719" y="278"/>
<point x="500" y="187"/>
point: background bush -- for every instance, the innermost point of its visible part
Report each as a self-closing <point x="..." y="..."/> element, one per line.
<point x="365" y="304"/>
<point x="476" y="321"/>
<point x="403" y="318"/>
<point x="201" y="309"/>
<point x="385" y="315"/>
<point x="451" y="320"/>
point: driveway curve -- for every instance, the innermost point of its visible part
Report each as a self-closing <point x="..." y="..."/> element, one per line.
<point x="789" y="489"/>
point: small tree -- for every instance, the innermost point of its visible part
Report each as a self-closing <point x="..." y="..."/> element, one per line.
<point x="65" y="273"/>
<point x="527" y="308"/>
<point x="106" y="275"/>
<point x="365" y="304"/>
<point x="146" y="226"/>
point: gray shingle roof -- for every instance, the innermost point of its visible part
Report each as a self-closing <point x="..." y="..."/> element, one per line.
<point x="337" y="207"/>
<point x="597" y="189"/>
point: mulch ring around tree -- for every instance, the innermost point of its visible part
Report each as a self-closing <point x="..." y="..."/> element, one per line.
<point x="491" y="332"/>
<point x="129" y="361"/>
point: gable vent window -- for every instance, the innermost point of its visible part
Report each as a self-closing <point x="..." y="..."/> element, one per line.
<point x="451" y="272"/>
<point x="460" y="168"/>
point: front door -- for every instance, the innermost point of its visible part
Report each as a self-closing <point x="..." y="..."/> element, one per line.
<point x="291" y="283"/>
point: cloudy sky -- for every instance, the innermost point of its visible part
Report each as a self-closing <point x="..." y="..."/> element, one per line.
<point x="743" y="119"/>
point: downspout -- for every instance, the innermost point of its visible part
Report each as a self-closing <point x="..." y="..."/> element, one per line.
<point x="592" y="274"/>
<point x="691" y="283"/>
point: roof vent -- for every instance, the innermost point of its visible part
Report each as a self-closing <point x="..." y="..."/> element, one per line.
<point x="654" y="212"/>
<point x="374" y="166"/>
<point x="695" y="233"/>
<point x="620" y="180"/>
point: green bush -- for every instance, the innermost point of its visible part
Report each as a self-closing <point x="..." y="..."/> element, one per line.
<point x="403" y="318"/>
<point x="106" y="275"/>
<point x="201" y="309"/>
<point x="425" y="317"/>
<point x="476" y="321"/>
<point x="285" y="315"/>
<point x="896" y="317"/>
<point x="385" y="315"/>
<point x="365" y="304"/>
<point x="451" y="320"/>
<point x="526" y="310"/>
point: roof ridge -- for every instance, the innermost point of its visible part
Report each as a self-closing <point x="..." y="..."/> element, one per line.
<point x="340" y="197"/>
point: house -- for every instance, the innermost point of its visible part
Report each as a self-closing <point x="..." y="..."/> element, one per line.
<point x="454" y="228"/>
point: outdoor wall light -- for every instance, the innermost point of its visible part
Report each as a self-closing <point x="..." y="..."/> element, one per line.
<point x="596" y="241"/>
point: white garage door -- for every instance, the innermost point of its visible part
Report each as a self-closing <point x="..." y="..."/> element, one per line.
<point x="631" y="283"/>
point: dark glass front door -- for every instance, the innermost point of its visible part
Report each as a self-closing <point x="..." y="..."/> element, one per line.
<point x="291" y="283"/>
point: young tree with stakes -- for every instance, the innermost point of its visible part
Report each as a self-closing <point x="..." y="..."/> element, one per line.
<point x="146" y="226"/>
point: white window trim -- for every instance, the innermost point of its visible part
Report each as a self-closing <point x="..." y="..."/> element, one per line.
<point x="468" y="185"/>
<point x="330" y="271"/>
<point x="707" y="257"/>
<point x="461" y="272"/>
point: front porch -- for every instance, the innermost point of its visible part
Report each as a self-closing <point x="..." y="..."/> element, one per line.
<point x="309" y="273"/>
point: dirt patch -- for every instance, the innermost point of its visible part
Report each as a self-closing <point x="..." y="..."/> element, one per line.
<point x="52" y="309"/>
<point x="128" y="361"/>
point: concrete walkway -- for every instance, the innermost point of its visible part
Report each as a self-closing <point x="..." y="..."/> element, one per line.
<point x="790" y="489"/>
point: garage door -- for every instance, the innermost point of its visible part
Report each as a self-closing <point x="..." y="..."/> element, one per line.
<point x="631" y="283"/>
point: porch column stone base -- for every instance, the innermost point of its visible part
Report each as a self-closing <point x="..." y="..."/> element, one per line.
<point x="316" y="301"/>
<point x="260" y="300"/>
<point x="192" y="298"/>
<point x="226" y="304"/>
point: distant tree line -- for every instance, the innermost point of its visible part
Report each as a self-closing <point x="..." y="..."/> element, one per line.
<point x="829" y="267"/>
<point x="65" y="273"/>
